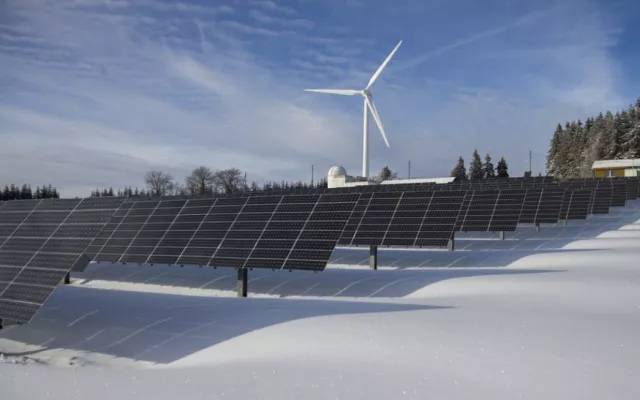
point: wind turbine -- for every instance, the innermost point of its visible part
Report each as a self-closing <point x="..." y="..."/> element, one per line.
<point x="368" y="107"/>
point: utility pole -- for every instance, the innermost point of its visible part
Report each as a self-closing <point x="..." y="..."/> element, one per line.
<point x="409" y="177"/>
<point x="311" y="175"/>
<point x="530" y="162"/>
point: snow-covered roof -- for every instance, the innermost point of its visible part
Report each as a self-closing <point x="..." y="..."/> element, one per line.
<point x="628" y="163"/>
<point x="422" y="180"/>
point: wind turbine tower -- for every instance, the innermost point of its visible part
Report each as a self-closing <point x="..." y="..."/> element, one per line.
<point x="369" y="106"/>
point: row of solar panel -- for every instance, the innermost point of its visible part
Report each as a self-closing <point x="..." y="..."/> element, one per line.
<point x="41" y="240"/>
<point x="44" y="241"/>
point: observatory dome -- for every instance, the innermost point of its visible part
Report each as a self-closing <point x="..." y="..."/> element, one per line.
<point x="337" y="171"/>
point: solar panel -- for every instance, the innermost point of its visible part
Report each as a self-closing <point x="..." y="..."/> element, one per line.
<point x="44" y="240"/>
<point x="579" y="204"/>
<point x="550" y="205"/>
<point x="633" y="189"/>
<point x="480" y="207"/>
<point x="601" y="199"/>
<point x="507" y="211"/>
<point x="284" y="232"/>
<point x="405" y="219"/>
<point x="530" y="206"/>
<point x="619" y="192"/>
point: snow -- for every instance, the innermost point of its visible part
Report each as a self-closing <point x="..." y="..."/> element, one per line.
<point x="554" y="314"/>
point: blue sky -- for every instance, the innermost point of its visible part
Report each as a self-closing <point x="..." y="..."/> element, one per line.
<point x="97" y="92"/>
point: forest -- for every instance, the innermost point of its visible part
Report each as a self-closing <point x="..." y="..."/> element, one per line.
<point x="14" y="192"/>
<point x="576" y="145"/>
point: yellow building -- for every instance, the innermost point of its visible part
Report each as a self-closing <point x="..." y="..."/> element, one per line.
<point x="616" y="168"/>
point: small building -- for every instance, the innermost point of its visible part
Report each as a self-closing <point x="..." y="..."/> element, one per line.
<point x="616" y="168"/>
<point x="338" y="177"/>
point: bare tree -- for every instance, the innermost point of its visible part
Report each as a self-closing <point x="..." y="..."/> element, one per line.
<point x="201" y="181"/>
<point x="179" y="189"/>
<point x="228" y="180"/>
<point x="159" y="183"/>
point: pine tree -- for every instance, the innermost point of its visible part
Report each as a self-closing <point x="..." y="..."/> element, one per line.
<point x="611" y="146"/>
<point x="624" y="128"/>
<point x="475" y="169"/>
<point x="502" y="168"/>
<point x="459" y="172"/>
<point x="554" y="151"/>
<point x="385" y="174"/>
<point x="487" y="168"/>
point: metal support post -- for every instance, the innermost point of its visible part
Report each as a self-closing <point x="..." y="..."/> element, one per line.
<point x="243" y="280"/>
<point x="452" y="242"/>
<point x="373" y="257"/>
<point x="502" y="235"/>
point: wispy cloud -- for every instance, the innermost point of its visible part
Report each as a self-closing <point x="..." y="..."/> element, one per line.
<point x="475" y="37"/>
<point x="252" y="30"/>
<point x="273" y="6"/>
<point x="287" y="22"/>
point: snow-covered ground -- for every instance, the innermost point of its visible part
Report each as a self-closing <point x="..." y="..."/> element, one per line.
<point x="548" y="315"/>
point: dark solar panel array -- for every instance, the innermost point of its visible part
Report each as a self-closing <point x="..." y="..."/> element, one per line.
<point x="619" y="192"/>
<point x="507" y="211"/>
<point x="40" y="242"/>
<point x="550" y="204"/>
<point x="479" y="207"/>
<point x="530" y="206"/>
<point x="407" y="219"/>
<point x="283" y="232"/>
<point x="601" y="199"/>
<point x="580" y="203"/>
<point x="633" y="189"/>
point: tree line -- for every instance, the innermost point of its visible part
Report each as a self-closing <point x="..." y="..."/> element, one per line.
<point x="16" y="192"/>
<point x="203" y="181"/>
<point x="479" y="169"/>
<point x="575" y="147"/>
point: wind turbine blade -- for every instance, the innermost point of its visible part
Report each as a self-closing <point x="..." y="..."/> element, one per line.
<point x="344" y="92"/>
<point x="376" y="117"/>
<point x="384" y="64"/>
